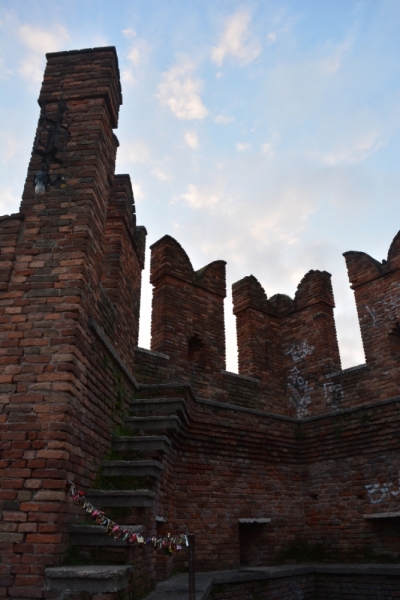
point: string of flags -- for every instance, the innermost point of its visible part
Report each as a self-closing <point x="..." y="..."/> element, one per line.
<point x="124" y="532"/>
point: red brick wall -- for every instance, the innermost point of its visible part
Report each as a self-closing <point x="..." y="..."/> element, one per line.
<point x="288" y="351"/>
<point x="123" y="261"/>
<point x="188" y="313"/>
<point x="290" y="345"/>
<point x="61" y="391"/>
<point x="317" y="481"/>
<point x="76" y="254"/>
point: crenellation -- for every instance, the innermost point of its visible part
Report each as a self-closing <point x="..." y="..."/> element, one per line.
<point x="188" y="312"/>
<point x="291" y="460"/>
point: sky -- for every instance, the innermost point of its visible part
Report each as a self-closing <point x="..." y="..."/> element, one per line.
<point x="265" y="133"/>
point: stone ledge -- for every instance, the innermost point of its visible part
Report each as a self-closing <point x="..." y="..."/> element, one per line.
<point x="387" y="515"/>
<point x="255" y="520"/>
<point x="361" y="569"/>
<point x="139" y="498"/>
<point x="346" y="371"/>
<point x="91" y="578"/>
<point x="95" y="535"/>
<point x="238" y="376"/>
<point x="152" y="353"/>
<point x="178" y="586"/>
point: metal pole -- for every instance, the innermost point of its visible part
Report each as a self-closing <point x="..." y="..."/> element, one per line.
<point x="192" y="591"/>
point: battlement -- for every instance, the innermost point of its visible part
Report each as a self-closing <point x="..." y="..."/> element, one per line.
<point x="168" y="258"/>
<point x="257" y="446"/>
<point x="288" y="351"/>
<point x="188" y="311"/>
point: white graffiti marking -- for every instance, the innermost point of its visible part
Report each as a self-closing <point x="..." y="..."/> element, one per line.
<point x="386" y="308"/>
<point x="300" y="392"/>
<point x="378" y="492"/>
<point x="333" y="394"/>
<point x="299" y="351"/>
<point x="373" y="315"/>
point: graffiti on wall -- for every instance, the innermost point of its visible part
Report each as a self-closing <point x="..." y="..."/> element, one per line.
<point x="297" y="383"/>
<point x="378" y="492"/>
<point x="333" y="394"/>
<point x="299" y="351"/>
<point x="385" y="309"/>
<point x="390" y="488"/>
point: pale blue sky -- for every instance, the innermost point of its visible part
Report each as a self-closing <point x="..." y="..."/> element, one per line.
<point x="264" y="133"/>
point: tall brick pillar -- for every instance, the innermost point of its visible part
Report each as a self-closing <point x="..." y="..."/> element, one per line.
<point x="123" y="262"/>
<point x="377" y="293"/>
<point x="290" y="345"/>
<point x="188" y="312"/>
<point x="54" y="423"/>
<point x="309" y="344"/>
<point x="258" y="326"/>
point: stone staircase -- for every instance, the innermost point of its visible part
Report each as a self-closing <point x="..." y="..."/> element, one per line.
<point x="126" y="490"/>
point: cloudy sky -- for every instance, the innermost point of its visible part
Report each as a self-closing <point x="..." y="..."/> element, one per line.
<point x="264" y="133"/>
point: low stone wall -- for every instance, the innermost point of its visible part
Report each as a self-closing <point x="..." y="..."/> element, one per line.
<point x="291" y="582"/>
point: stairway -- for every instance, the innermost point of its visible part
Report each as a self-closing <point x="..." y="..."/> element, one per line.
<point x="126" y="490"/>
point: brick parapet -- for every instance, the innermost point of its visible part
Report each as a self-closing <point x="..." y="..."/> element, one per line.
<point x="123" y="261"/>
<point x="316" y="473"/>
<point x="288" y="345"/>
<point x="188" y="312"/>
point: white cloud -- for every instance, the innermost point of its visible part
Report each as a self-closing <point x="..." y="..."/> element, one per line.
<point x="354" y="152"/>
<point x="39" y="42"/>
<point x="129" y="33"/>
<point x="332" y="63"/>
<point x="138" y="53"/>
<point x="272" y="37"/>
<point x="235" y="41"/>
<point x="137" y="56"/>
<point x="179" y="90"/>
<point x="191" y="139"/>
<point x="160" y="174"/>
<point x="223" y="120"/>
<point x="267" y="149"/>
<point x="243" y="146"/>
<point x="10" y="202"/>
<point x="128" y="78"/>
<point x="12" y="145"/>
<point x="200" y="198"/>
<point x="135" y="152"/>
<point x="137" y="190"/>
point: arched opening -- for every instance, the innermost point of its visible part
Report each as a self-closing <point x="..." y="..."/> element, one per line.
<point x="195" y="349"/>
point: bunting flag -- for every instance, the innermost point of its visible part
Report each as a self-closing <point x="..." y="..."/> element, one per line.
<point x="124" y="532"/>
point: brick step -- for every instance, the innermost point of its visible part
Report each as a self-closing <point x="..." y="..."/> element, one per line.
<point x="111" y="498"/>
<point x="95" y="535"/>
<point x="147" y="443"/>
<point x="163" y="423"/>
<point x="160" y="406"/>
<point x="90" y="578"/>
<point x="131" y="468"/>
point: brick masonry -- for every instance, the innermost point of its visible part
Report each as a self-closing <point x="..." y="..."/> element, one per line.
<point x="291" y="438"/>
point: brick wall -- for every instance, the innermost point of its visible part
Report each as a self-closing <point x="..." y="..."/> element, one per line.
<point x="324" y="483"/>
<point x="288" y="351"/>
<point x="292" y="438"/>
<point x="62" y="392"/>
